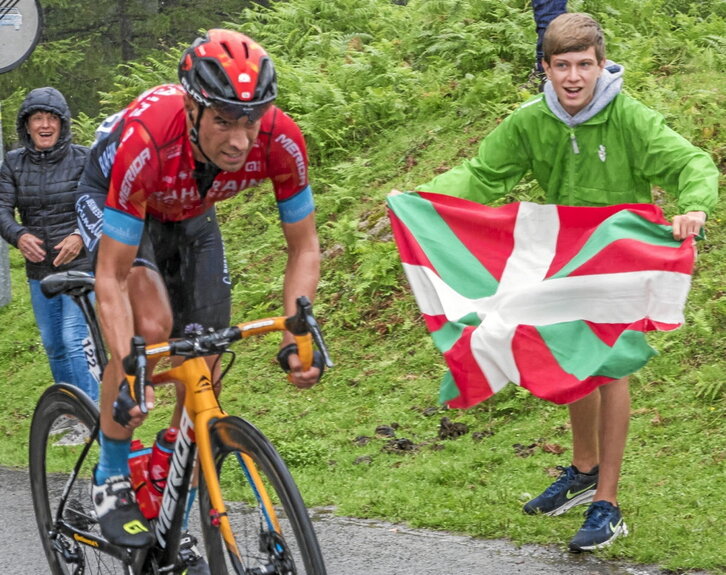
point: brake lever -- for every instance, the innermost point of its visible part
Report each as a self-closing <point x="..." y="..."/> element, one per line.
<point x="138" y="349"/>
<point x="318" y="339"/>
<point x="304" y="322"/>
<point x="135" y="365"/>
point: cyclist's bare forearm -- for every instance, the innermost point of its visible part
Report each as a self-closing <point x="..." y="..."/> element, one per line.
<point x="301" y="279"/>
<point x="115" y="315"/>
<point x="117" y="330"/>
<point x="302" y="272"/>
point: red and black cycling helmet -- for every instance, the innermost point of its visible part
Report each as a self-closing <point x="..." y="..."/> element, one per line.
<point x="231" y="72"/>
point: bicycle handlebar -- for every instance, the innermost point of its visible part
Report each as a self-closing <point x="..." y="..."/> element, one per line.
<point x="302" y="324"/>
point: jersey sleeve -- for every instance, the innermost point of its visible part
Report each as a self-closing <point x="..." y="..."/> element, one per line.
<point x="135" y="169"/>
<point x="288" y="170"/>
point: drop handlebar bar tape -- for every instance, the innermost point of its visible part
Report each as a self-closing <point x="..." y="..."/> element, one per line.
<point x="284" y="354"/>
<point x="124" y="403"/>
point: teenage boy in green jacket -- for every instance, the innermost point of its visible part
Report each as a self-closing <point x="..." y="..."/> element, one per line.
<point x="588" y="144"/>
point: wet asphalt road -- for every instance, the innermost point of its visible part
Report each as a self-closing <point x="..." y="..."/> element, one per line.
<point x="350" y="547"/>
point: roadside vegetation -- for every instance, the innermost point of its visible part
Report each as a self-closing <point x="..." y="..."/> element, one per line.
<point x="389" y="94"/>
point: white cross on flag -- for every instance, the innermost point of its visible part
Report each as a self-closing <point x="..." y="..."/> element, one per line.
<point x="553" y="298"/>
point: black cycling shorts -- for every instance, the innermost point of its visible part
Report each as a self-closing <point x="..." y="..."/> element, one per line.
<point x="189" y="256"/>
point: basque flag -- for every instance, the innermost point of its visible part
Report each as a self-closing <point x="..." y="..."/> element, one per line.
<point x="553" y="298"/>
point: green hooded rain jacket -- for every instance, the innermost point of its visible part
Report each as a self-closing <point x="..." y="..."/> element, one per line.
<point x="614" y="157"/>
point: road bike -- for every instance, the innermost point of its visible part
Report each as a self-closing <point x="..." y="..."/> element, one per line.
<point x="250" y="513"/>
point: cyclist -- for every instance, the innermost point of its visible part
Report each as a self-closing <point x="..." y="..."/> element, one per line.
<point x="588" y="144"/>
<point x="151" y="182"/>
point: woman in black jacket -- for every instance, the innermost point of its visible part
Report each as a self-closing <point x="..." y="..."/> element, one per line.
<point x="39" y="179"/>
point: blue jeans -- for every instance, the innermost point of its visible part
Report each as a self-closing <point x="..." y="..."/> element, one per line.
<point x="544" y="12"/>
<point x="63" y="330"/>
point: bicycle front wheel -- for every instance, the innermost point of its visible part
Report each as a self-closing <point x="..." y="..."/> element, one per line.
<point x="273" y="533"/>
<point x="62" y="452"/>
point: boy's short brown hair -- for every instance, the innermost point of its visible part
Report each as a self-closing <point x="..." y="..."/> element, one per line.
<point x="573" y="32"/>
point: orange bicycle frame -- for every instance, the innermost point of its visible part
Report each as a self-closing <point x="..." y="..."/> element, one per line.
<point x="202" y="407"/>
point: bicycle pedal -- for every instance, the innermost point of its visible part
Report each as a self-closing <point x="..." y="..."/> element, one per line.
<point x="188" y="552"/>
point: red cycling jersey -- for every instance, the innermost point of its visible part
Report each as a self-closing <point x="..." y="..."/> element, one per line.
<point x="145" y="161"/>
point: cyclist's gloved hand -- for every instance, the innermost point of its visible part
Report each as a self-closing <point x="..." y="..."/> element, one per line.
<point x="125" y="403"/>
<point x="283" y="358"/>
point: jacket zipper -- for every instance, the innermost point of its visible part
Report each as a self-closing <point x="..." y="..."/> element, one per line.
<point x="573" y="141"/>
<point x="575" y="151"/>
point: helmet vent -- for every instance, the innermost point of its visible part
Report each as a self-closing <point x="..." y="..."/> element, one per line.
<point x="213" y="80"/>
<point x="225" y="46"/>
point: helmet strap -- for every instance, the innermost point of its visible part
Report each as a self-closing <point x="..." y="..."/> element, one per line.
<point x="194" y="130"/>
<point x="205" y="172"/>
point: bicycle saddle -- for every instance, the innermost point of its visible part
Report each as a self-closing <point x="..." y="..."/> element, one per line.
<point x="71" y="282"/>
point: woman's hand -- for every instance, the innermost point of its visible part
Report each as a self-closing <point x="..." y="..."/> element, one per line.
<point x="31" y="247"/>
<point x="69" y="248"/>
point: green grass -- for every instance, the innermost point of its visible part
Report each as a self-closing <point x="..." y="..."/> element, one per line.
<point x="387" y="370"/>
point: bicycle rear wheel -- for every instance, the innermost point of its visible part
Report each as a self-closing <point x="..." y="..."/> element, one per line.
<point x="241" y="453"/>
<point x="62" y="453"/>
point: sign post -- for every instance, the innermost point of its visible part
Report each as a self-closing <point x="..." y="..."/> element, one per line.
<point x="20" y="23"/>
<point x="5" y="287"/>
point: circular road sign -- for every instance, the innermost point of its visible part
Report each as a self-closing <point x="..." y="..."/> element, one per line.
<point x="20" y="22"/>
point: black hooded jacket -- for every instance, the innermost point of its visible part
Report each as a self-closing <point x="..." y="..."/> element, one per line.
<point x="42" y="185"/>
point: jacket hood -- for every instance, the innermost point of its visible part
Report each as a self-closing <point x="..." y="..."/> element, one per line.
<point x="47" y="100"/>
<point x="608" y="85"/>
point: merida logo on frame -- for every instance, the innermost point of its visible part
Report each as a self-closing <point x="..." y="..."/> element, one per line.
<point x="179" y="459"/>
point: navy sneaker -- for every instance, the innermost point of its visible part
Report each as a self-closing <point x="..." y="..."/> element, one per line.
<point x="569" y="489"/>
<point x="603" y="524"/>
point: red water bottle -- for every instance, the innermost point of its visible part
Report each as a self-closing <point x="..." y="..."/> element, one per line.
<point x="160" y="459"/>
<point x="139" y="466"/>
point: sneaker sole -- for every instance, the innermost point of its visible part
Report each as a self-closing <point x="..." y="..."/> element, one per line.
<point x="621" y="530"/>
<point x="580" y="499"/>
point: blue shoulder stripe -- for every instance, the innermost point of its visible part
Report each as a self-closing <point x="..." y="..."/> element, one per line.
<point x="297" y="207"/>
<point x="122" y="227"/>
